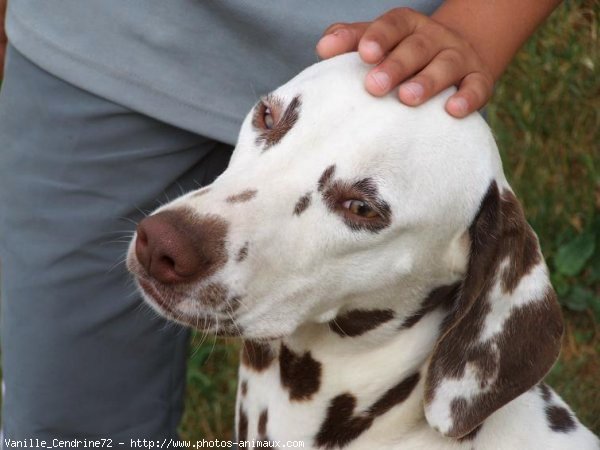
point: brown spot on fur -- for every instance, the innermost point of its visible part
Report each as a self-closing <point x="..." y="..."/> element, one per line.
<point x="302" y="204"/>
<point x="262" y="424"/>
<point x="300" y="374"/>
<point x="244" y="388"/>
<point x="214" y="294"/>
<point x="522" y="353"/>
<point x="560" y="419"/>
<point x="282" y="123"/>
<point x="242" y="253"/>
<point x="337" y="191"/>
<point x="325" y="177"/>
<point x="394" y="396"/>
<point x="342" y="425"/>
<point x="257" y="355"/>
<point x="242" y="197"/>
<point x="359" y="321"/>
<point x="546" y="392"/>
<point x="444" y="296"/>
<point x="242" y="434"/>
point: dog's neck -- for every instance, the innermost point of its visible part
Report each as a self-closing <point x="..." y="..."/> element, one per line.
<point x="363" y="372"/>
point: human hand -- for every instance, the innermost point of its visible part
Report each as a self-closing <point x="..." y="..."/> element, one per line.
<point x="3" y="38"/>
<point x="416" y="53"/>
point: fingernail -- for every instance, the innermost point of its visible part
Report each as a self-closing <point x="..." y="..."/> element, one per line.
<point x="414" y="90"/>
<point x="459" y="105"/>
<point x="381" y="79"/>
<point x="372" y="48"/>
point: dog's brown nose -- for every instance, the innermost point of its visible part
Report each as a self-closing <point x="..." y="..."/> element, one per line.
<point x="174" y="248"/>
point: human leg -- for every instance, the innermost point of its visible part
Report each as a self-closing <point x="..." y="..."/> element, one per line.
<point x="81" y="356"/>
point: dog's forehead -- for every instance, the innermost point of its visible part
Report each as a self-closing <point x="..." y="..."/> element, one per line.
<point x="421" y="151"/>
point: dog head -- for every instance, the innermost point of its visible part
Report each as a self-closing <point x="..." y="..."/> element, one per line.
<point x="334" y="197"/>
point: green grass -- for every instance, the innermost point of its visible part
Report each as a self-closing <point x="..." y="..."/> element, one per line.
<point x="546" y="116"/>
<point x="211" y="387"/>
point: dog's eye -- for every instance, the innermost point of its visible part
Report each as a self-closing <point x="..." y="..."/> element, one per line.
<point x="264" y="117"/>
<point x="360" y="208"/>
<point x="268" y="118"/>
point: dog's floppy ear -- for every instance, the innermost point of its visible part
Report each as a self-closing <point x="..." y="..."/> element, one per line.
<point x="504" y="333"/>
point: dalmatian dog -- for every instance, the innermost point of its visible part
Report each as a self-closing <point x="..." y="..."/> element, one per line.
<point x="378" y="267"/>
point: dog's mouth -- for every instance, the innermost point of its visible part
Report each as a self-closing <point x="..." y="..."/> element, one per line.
<point x="153" y="291"/>
<point x="166" y="303"/>
<point x="189" y="306"/>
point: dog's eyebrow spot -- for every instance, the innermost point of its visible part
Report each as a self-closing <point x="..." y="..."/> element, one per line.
<point x="257" y="355"/>
<point x="300" y="374"/>
<point x="242" y="197"/>
<point x="560" y="419"/>
<point x="359" y="321"/>
<point x="302" y="204"/>
<point x="325" y="177"/>
<point x="282" y="125"/>
<point x="242" y="252"/>
<point x="342" y="425"/>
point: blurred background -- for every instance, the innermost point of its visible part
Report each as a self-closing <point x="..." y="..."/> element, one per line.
<point x="546" y="117"/>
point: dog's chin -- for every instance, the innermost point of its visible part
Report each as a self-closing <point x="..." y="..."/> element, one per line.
<point x="163" y="301"/>
<point x="206" y="322"/>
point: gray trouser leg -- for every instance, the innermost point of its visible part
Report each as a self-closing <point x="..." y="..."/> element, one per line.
<point x="81" y="355"/>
